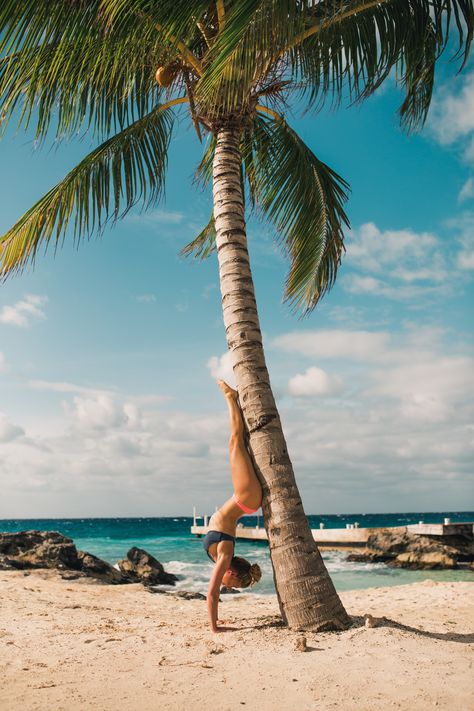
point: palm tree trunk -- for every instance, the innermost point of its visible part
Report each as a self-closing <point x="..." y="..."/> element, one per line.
<point x="305" y="591"/>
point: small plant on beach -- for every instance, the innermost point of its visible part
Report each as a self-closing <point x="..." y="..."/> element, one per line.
<point x="123" y="68"/>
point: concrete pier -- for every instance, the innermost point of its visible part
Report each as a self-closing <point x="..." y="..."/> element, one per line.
<point x="326" y="537"/>
<point x="335" y="538"/>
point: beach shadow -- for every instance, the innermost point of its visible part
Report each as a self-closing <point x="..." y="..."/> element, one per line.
<point x="358" y="623"/>
<point x="267" y="622"/>
<point x="467" y="638"/>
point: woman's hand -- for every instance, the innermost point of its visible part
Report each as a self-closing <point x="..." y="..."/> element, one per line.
<point x="216" y="629"/>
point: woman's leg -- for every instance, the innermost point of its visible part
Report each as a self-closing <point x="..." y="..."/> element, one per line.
<point x="244" y="479"/>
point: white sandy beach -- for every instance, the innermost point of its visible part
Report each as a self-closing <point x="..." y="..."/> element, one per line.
<point x="68" y="645"/>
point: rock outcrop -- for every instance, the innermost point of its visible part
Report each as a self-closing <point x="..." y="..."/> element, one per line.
<point x="400" y="549"/>
<point x="37" y="549"/>
<point x="189" y="595"/>
<point x="141" y="567"/>
<point x="101" y="570"/>
<point x="50" y="549"/>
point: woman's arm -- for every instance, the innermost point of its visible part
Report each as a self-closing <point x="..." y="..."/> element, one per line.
<point x="222" y="564"/>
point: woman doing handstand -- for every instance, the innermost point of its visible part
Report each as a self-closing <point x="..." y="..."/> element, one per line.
<point x="219" y="541"/>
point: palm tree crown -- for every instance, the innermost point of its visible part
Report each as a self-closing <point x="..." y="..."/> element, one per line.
<point x="120" y="68"/>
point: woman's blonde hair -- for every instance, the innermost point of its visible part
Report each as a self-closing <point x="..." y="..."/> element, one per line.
<point x="248" y="573"/>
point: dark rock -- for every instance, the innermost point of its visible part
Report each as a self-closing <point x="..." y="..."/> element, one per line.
<point x="401" y="549"/>
<point x="37" y="549"/>
<point x="142" y="567"/>
<point x="423" y="560"/>
<point x="369" y="556"/>
<point x="50" y="549"/>
<point x="100" y="569"/>
<point x="229" y="591"/>
<point x="388" y="543"/>
<point x="72" y="574"/>
<point x="8" y="563"/>
<point x="189" y="595"/>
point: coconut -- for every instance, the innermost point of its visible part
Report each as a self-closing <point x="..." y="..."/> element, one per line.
<point x="165" y="75"/>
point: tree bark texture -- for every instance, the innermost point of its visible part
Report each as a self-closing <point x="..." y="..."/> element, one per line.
<point x="306" y="594"/>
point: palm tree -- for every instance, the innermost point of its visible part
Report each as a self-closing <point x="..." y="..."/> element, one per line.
<point x="120" y="68"/>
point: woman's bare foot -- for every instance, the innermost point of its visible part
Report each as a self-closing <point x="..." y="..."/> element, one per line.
<point x="227" y="390"/>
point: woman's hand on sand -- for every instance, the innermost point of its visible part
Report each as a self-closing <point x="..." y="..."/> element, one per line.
<point x="224" y="629"/>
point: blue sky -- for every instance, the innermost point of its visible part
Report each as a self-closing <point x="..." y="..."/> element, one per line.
<point x="108" y="352"/>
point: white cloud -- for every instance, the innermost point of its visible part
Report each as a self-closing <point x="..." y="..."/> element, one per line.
<point x="107" y="456"/>
<point x="411" y="370"/>
<point x="3" y="363"/>
<point x="431" y="390"/>
<point x="355" y="284"/>
<point x="64" y="387"/>
<point x="9" y="431"/>
<point x="464" y="225"/>
<point x="146" y="298"/>
<point x="182" y="307"/>
<point x="221" y="368"/>
<point x="101" y="412"/>
<point x="466" y="260"/>
<point x="401" y="434"/>
<point x="336" y="343"/>
<point x="208" y="290"/>
<point x="363" y="284"/>
<point x="315" y="381"/>
<point x="398" y="438"/>
<point x="19" y="314"/>
<point x="149" y="400"/>
<point x="404" y="265"/>
<point x="452" y="115"/>
<point x="467" y="190"/>
<point x="375" y="250"/>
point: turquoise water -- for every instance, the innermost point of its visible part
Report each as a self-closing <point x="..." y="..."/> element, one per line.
<point x="170" y="540"/>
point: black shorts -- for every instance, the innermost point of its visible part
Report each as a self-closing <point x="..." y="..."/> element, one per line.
<point x="215" y="537"/>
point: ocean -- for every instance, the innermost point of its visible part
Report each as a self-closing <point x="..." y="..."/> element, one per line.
<point x="170" y="541"/>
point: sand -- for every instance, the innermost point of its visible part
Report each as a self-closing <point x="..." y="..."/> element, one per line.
<point x="68" y="645"/>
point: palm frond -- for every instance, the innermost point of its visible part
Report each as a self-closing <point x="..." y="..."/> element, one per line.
<point x="175" y="22"/>
<point x="333" y="48"/>
<point x="91" y="62"/>
<point x="304" y="199"/>
<point x="204" y="244"/>
<point x="253" y="31"/>
<point x="97" y="83"/>
<point x="349" y="50"/>
<point x="127" y="168"/>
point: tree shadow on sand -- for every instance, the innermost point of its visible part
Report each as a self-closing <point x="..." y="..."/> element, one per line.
<point x="466" y="638"/>
<point x="358" y="626"/>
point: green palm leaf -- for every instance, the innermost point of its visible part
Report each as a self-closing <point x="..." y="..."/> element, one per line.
<point x="300" y="195"/>
<point x="351" y="57"/>
<point x="91" y="62"/>
<point x="253" y="31"/>
<point x="304" y="199"/>
<point x="352" y="54"/>
<point x="91" y="82"/>
<point x="127" y="168"/>
<point x="345" y="48"/>
<point x="204" y="244"/>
